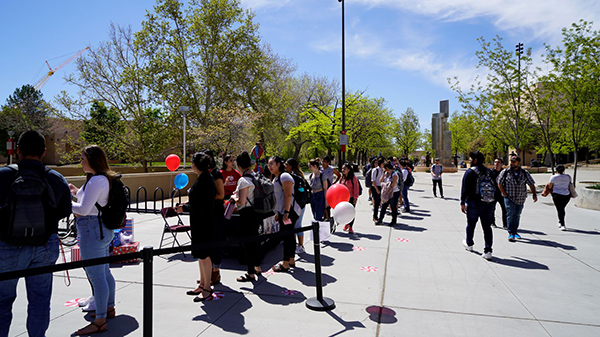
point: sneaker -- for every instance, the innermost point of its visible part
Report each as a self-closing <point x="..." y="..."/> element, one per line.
<point x="511" y="238"/>
<point x="517" y="236"/>
<point x="563" y="228"/>
<point x="90" y="307"/>
<point x="467" y="247"/>
<point x="87" y="301"/>
<point x="442" y="197"/>
<point x="487" y="256"/>
<point x="300" y="250"/>
<point x="350" y="230"/>
<point x="346" y="227"/>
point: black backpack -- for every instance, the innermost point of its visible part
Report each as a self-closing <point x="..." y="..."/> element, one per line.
<point x="113" y="214"/>
<point x="264" y="194"/>
<point x="410" y="180"/>
<point x="368" y="178"/>
<point x="302" y="192"/>
<point x="28" y="214"/>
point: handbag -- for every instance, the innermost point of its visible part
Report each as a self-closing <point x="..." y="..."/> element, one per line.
<point x="229" y="207"/>
<point x="572" y="190"/>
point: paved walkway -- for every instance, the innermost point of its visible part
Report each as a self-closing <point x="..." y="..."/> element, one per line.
<point x="428" y="285"/>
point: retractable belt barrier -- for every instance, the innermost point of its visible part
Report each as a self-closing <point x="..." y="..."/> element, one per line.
<point x="318" y="303"/>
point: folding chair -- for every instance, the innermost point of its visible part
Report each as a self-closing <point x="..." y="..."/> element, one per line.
<point x="173" y="230"/>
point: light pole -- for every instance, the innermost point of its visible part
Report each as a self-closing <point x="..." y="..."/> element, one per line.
<point x="183" y="110"/>
<point x="519" y="50"/>
<point x="343" y="85"/>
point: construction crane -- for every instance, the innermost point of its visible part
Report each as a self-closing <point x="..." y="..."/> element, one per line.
<point x="51" y="71"/>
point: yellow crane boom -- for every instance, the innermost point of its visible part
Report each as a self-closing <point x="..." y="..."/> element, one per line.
<point x="51" y="71"/>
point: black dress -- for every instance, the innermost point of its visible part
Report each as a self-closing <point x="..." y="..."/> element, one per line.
<point x="201" y="208"/>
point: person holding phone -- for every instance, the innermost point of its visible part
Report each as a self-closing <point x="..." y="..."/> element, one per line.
<point x="286" y="210"/>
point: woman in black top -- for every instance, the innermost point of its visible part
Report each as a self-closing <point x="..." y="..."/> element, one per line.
<point x="202" y="220"/>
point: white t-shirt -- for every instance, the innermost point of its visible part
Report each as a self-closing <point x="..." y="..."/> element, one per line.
<point x="390" y="179"/>
<point x="376" y="176"/>
<point x="96" y="191"/>
<point x="280" y="196"/>
<point x="245" y="182"/>
<point x="561" y="184"/>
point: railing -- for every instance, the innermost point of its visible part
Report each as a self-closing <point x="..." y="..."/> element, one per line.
<point x="156" y="199"/>
<point x="318" y="303"/>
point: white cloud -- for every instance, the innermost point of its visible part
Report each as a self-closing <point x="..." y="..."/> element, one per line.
<point x="254" y="4"/>
<point x="543" y="17"/>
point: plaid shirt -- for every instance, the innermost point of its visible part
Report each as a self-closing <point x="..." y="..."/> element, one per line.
<point x="515" y="184"/>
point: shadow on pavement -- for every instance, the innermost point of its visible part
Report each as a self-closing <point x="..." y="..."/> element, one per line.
<point x="326" y="260"/>
<point x="340" y="246"/>
<point x="121" y="325"/>
<point x="234" y="321"/>
<point x="382" y="314"/>
<point x="406" y="227"/>
<point x="348" y="326"/>
<point x="582" y="231"/>
<point x="413" y="190"/>
<point x="409" y="217"/>
<point x="519" y="262"/>
<point x="308" y="278"/>
<point x="528" y="231"/>
<point x="548" y="243"/>
<point x="274" y="294"/>
<point x="357" y="236"/>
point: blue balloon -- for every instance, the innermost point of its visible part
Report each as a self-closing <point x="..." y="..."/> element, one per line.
<point x="181" y="181"/>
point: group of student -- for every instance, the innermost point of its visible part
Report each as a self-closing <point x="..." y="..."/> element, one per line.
<point x="389" y="181"/>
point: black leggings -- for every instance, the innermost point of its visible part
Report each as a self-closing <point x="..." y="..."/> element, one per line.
<point x="560" y="202"/>
<point x="289" y="241"/>
<point x="250" y="224"/>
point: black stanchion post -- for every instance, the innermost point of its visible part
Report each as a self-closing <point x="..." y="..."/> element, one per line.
<point x="147" y="258"/>
<point x="318" y="303"/>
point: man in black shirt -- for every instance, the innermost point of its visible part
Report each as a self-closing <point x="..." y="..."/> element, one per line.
<point x="31" y="148"/>
<point x="498" y="162"/>
<point x="472" y="205"/>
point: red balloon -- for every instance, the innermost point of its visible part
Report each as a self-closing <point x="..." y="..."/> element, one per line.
<point x="336" y="194"/>
<point x="172" y="162"/>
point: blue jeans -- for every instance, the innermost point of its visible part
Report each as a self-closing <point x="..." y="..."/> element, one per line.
<point x="513" y="215"/>
<point x="92" y="246"/>
<point x="405" y="198"/>
<point x="39" y="287"/>
<point x="485" y="213"/>
<point x="298" y="223"/>
<point x="317" y="204"/>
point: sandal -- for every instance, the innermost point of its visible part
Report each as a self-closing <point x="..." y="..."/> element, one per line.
<point x="246" y="278"/>
<point x="93" y="328"/>
<point x="279" y="268"/>
<point x="110" y="313"/>
<point x="202" y="299"/>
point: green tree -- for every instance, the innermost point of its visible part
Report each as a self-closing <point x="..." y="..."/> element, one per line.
<point x="24" y="110"/>
<point x="465" y="132"/>
<point x="498" y="103"/>
<point x="206" y="55"/>
<point x="96" y="129"/>
<point x="575" y="83"/>
<point x="116" y="73"/>
<point x="407" y="132"/>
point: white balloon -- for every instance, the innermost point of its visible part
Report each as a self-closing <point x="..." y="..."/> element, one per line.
<point x="344" y="213"/>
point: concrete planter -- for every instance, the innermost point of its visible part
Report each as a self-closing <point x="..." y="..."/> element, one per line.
<point x="587" y="197"/>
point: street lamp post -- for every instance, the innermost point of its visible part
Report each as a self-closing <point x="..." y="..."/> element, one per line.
<point x="183" y="110"/>
<point x="343" y="84"/>
<point x="519" y="50"/>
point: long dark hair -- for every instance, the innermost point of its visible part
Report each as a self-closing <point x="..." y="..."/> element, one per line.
<point x="350" y="174"/>
<point x="278" y="160"/>
<point x="295" y="166"/>
<point x="225" y="160"/>
<point x="98" y="162"/>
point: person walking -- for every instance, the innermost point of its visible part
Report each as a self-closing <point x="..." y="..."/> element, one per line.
<point x="351" y="182"/>
<point x="436" y="177"/>
<point x="406" y="186"/>
<point x="250" y="220"/>
<point x="286" y="210"/>
<point x="95" y="238"/>
<point x="473" y="205"/>
<point x="318" y="186"/>
<point x="512" y="183"/>
<point x="376" y="175"/>
<point x="391" y="178"/>
<point x="561" y="195"/>
<point x="18" y="253"/>
<point x="498" y="163"/>
<point x="202" y="221"/>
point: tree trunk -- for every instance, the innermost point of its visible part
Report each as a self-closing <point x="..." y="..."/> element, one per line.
<point x="297" y="148"/>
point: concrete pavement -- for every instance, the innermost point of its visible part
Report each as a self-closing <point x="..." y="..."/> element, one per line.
<point x="414" y="279"/>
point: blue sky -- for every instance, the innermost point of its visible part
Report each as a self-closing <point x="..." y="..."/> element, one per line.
<point x="401" y="50"/>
